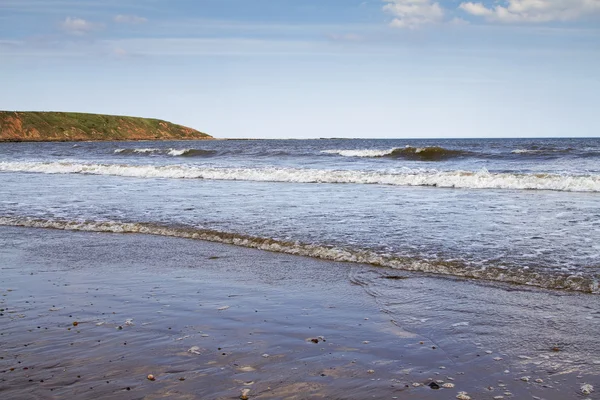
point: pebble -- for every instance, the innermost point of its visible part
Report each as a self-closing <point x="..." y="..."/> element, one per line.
<point x="194" y="350"/>
<point x="129" y="321"/>
<point x="448" y="385"/>
<point x="265" y="355"/>
<point x="538" y="380"/>
<point x="525" y="378"/>
<point x="245" y="393"/>
<point x="366" y="342"/>
<point x="463" y="396"/>
<point x="416" y="384"/>
<point x="587" y="389"/>
<point x="497" y="358"/>
<point x="151" y="377"/>
<point x="498" y="397"/>
<point x="371" y="371"/>
<point x="223" y="308"/>
<point x="488" y="352"/>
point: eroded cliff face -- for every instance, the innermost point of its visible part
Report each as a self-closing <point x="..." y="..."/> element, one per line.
<point x="58" y="126"/>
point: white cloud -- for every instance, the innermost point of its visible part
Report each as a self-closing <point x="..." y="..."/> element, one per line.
<point x="536" y="11"/>
<point x="412" y="14"/>
<point x="129" y="19"/>
<point x="78" y="26"/>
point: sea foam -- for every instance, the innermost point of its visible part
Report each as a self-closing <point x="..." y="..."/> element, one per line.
<point x="551" y="280"/>
<point x="169" y="152"/>
<point x="481" y="179"/>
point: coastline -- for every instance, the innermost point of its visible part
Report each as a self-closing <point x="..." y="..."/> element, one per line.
<point x="108" y="140"/>
<point x="92" y="314"/>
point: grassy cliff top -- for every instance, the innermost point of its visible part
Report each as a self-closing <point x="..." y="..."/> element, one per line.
<point x="61" y="126"/>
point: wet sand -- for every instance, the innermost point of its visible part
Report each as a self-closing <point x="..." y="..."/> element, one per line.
<point x="89" y="315"/>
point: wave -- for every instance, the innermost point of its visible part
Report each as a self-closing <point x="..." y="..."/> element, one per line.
<point x="169" y="152"/>
<point x="543" y="151"/>
<point x="482" y="179"/>
<point x="549" y="279"/>
<point x="433" y="153"/>
<point x="587" y="152"/>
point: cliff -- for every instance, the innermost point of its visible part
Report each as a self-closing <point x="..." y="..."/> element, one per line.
<point x="60" y="126"/>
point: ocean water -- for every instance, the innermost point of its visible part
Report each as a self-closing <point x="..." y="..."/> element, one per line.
<point x="514" y="211"/>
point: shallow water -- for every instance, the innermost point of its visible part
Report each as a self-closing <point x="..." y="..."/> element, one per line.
<point x="522" y="211"/>
<point x="236" y="304"/>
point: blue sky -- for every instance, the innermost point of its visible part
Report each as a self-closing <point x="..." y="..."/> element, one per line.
<point x="311" y="68"/>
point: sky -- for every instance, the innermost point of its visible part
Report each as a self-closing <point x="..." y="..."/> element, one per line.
<point x="311" y="68"/>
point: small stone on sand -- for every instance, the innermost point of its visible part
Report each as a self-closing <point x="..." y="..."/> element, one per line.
<point x="151" y="377"/>
<point x="587" y="389"/>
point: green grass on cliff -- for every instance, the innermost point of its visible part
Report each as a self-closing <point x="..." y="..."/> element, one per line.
<point x="80" y="126"/>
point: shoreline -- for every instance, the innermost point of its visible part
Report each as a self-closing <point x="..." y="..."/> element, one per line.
<point x="588" y="287"/>
<point x="226" y="318"/>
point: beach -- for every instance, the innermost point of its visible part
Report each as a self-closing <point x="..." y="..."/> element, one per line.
<point x="91" y="315"/>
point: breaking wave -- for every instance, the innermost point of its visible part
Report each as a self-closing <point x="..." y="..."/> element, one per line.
<point x="168" y="152"/>
<point x="433" y="153"/>
<point x="550" y="280"/>
<point x="482" y="179"/>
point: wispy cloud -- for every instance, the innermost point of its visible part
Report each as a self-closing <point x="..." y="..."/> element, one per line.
<point x="412" y="14"/>
<point x="79" y="26"/>
<point x="533" y="11"/>
<point x="129" y="19"/>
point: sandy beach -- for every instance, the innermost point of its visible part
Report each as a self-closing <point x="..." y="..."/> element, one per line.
<point x="89" y="315"/>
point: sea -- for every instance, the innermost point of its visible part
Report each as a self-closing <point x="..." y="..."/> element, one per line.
<point x="523" y="212"/>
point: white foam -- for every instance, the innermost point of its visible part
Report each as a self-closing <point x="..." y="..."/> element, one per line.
<point x="361" y="153"/>
<point x="177" y="152"/>
<point x="141" y="151"/>
<point x="446" y="179"/>
<point x="521" y="151"/>
<point x="170" y="152"/>
<point x="555" y="280"/>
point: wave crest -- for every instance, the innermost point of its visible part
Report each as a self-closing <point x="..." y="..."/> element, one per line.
<point x="433" y="153"/>
<point x="168" y="152"/>
<point x="551" y="280"/>
<point x="444" y="179"/>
